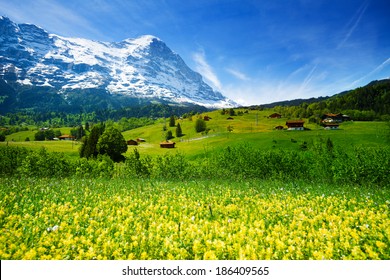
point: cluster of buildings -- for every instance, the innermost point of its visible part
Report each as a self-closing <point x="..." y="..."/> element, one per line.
<point x="329" y="121"/>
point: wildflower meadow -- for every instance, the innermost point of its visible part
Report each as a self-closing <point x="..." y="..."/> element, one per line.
<point x="114" y="219"/>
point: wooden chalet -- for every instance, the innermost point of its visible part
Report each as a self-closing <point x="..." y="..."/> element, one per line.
<point x="206" y="118"/>
<point x="330" y="126"/>
<point x="139" y="140"/>
<point x="332" y="118"/>
<point x="295" y="125"/>
<point x="167" y="144"/>
<point x="66" y="137"/>
<point x="279" y="127"/>
<point x="131" y="142"/>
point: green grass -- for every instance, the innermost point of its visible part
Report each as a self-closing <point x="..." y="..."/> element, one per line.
<point x="253" y="128"/>
<point x="68" y="148"/>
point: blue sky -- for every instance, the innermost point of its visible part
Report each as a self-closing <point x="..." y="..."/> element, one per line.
<point x="253" y="51"/>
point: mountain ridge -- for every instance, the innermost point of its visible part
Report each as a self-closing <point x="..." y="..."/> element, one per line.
<point x="144" y="68"/>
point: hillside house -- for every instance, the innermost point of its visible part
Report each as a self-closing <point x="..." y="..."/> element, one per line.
<point x="67" y="137"/>
<point x="131" y="142"/>
<point x="330" y="126"/>
<point x="332" y="118"/>
<point x="279" y="127"/>
<point x="167" y="144"/>
<point x="295" y="125"/>
<point x="206" y="118"/>
<point x="275" y="116"/>
<point x="139" y="140"/>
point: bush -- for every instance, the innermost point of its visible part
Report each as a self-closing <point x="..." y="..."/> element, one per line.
<point x="137" y="167"/>
<point x="11" y="159"/>
<point x="44" y="164"/>
<point x="39" y="136"/>
<point x="172" y="167"/>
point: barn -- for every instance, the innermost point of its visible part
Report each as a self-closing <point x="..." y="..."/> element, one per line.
<point x="66" y="137"/>
<point x="331" y="126"/>
<point x="167" y="144"/>
<point x="295" y="125"/>
<point x="132" y="142"/>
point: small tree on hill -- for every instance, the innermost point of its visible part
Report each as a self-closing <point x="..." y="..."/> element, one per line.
<point x="172" y="121"/>
<point x="112" y="143"/>
<point x="179" y="132"/>
<point x="200" y="125"/>
<point x="39" y="136"/>
<point x="168" y="135"/>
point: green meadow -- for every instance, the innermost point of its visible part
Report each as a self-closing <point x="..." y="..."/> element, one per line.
<point x="253" y="128"/>
<point x="243" y="190"/>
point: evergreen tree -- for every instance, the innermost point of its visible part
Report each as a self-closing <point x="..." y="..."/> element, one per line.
<point x="88" y="148"/>
<point x="168" y="135"/>
<point x="172" y="121"/>
<point x="179" y="132"/>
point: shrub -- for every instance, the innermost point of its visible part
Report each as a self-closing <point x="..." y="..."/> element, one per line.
<point x="137" y="167"/>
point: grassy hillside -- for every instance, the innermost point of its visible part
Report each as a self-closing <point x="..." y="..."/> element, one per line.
<point x="253" y="127"/>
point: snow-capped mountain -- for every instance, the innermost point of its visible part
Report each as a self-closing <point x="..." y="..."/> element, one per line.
<point x="141" y="68"/>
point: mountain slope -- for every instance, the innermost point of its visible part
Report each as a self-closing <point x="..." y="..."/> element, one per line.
<point x="142" y="69"/>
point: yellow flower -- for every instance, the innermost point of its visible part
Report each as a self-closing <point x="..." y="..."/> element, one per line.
<point x="209" y="255"/>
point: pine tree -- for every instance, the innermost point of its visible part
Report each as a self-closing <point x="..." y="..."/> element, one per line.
<point x="172" y="121"/>
<point x="88" y="148"/>
<point x="168" y="135"/>
<point x="179" y="132"/>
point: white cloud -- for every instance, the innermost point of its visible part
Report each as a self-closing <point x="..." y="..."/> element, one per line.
<point x="206" y="70"/>
<point x="239" y="75"/>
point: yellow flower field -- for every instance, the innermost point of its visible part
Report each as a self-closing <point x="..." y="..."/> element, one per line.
<point x="125" y="219"/>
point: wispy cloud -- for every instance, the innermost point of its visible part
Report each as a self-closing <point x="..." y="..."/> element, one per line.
<point x="377" y="69"/>
<point x="308" y="78"/>
<point x="239" y="75"/>
<point x="353" y="23"/>
<point x="56" y="15"/>
<point x="206" y="70"/>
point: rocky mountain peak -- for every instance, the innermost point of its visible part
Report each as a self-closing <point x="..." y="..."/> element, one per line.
<point x="142" y="68"/>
